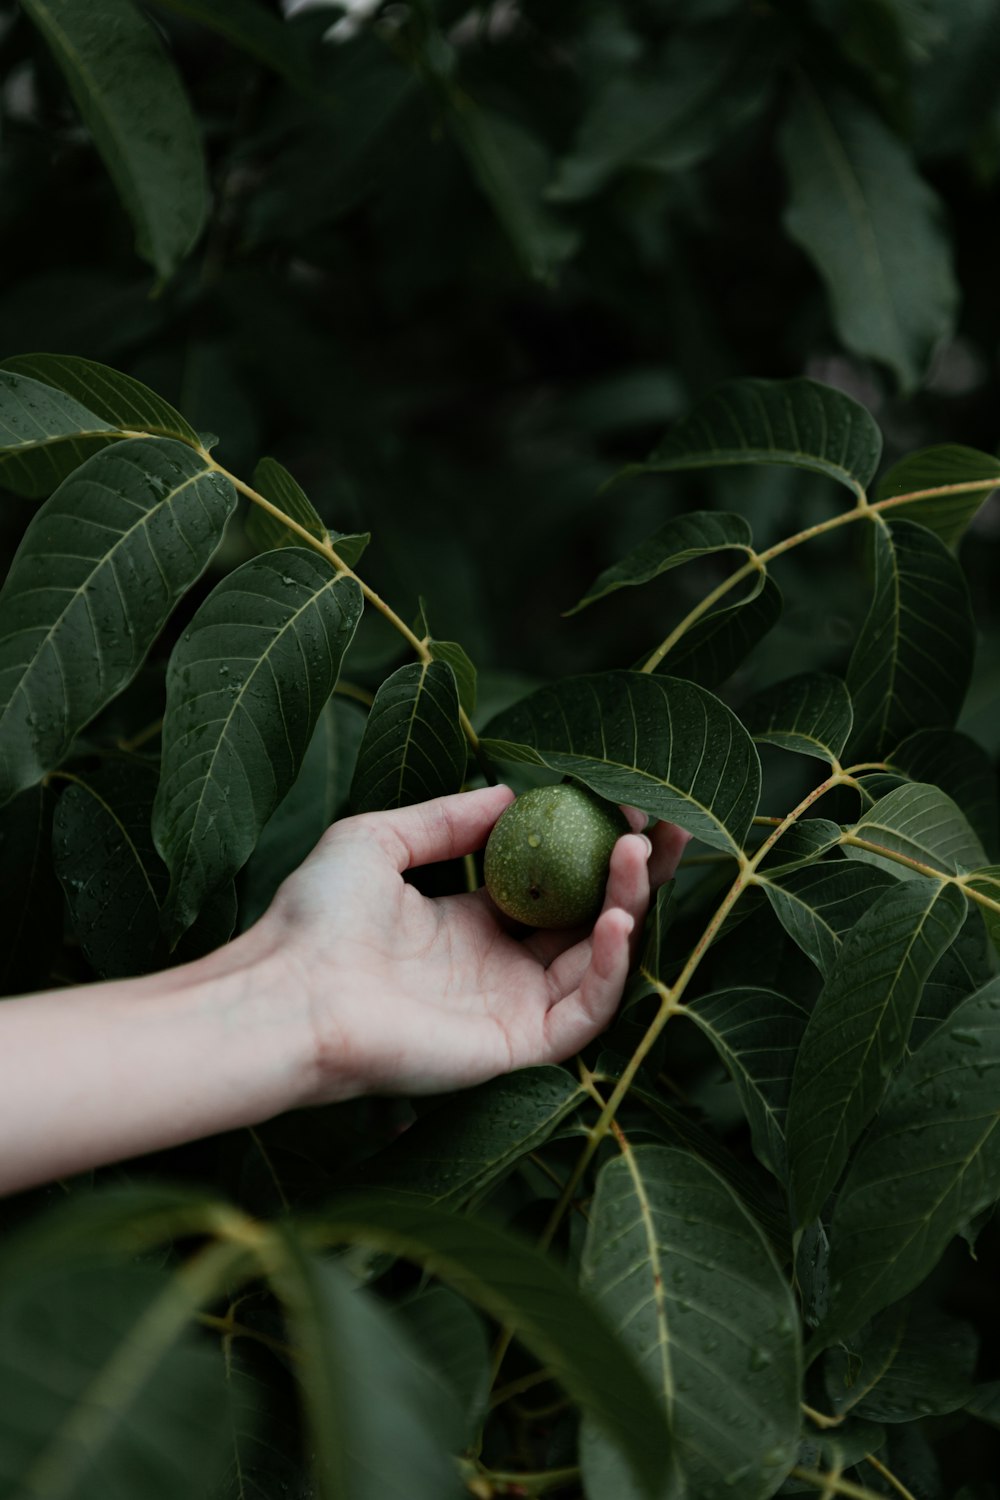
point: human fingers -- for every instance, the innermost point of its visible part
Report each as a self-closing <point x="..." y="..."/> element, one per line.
<point x="668" y="843"/>
<point x="581" y="1015"/>
<point x="627" y="890"/>
<point x="443" y="828"/>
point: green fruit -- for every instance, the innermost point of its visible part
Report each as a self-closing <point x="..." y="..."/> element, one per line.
<point x="546" y="861"/>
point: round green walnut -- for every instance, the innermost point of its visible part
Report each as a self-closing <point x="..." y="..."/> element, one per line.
<point x="546" y="861"/>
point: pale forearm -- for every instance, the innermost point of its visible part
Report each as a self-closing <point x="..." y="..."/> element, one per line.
<point x="112" y="1070"/>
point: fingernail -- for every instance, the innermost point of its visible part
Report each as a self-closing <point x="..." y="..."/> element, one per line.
<point x="648" y="843"/>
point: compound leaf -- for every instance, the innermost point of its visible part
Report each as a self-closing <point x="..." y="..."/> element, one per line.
<point x="923" y="824"/>
<point x="245" y="686"/>
<point x="658" y="743"/>
<point x="98" y="572"/>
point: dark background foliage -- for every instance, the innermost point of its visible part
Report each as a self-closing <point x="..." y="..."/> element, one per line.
<point x="460" y="265"/>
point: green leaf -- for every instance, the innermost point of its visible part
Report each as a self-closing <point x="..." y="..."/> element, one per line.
<point x="266" y="532"/>
<point x="859" y="1028"/>
<point x="712" y="649"/>
<point x="316" y="797"/>
<point x="912" y="662"/>
<point x="111" y="874"/>
<point x="250" y="26"/>
<point x="653" y="956"/>
<point x="797" y="422"/>
<point x="987" y="880"/>
<point x="966" y="966"/>
<point x="119" y="399"/>
<point x="920" y="822"/>
<point x="801" y="844"/>
<point x="810" y="713"/>
<point x="461" y="664"/>
<point x="929" y="1164"/>
<point x="31" y="916"/>
<point x="701" y="88"/>
<point x="44" y="435"/>
<point x="819" y="904"/>
<point x="105" y="1387"/>
<point x="696" y="534"/>
<point x="657" y="743"/>
<point x="134" y="105"/>
<point x="960" y="767"/>
<point x="945" y="466"/>
<point x="413" y="747"/>
<point x="245" y="686"/>
<point x="475" y="1138"/>
<point x="263" y="1429"/>
<point x="908" y="1363"/>
<point x="96" y="576"/>
<point x="381" y="1418"/>
<point x="690" y="1283"/>
<point x="451" y="1336"/>
<point x="756" y="1033"/>
<point x="872" y="227"/>
<point x="528" y="1292"/>
<point x="511" y="166"/>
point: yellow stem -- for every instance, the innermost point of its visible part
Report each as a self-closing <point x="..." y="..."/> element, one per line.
<point x="821" y="1419"/>
<point x="832" y="1484"/>
<point x="889" y="1477"/>
<point x="962" y="881"/>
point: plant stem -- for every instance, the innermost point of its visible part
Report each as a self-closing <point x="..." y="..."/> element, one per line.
<point x="759" y="561"/>
<point x="889" y="1477"/>
<point x="832" y="1484"/>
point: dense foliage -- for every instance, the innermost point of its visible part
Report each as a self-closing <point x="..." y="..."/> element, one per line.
<point x="652" y="349"/>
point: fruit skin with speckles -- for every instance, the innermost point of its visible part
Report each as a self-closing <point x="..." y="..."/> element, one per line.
<point x="546" y="860"/>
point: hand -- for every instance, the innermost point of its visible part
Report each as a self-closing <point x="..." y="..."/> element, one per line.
<point x="414" y="995"/>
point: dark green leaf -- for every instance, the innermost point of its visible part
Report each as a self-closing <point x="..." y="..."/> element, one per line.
<point x="967" y="965"/>
<point x="97" y="574"/>
<point x="529" y="1293"/>
<point x="817" y="905"/>
<point x="265" y="531"/>
<point x="928" y="1165"/>
<point x="693" y="1288"/>
<point x="871" y="225"/>
<point x="703" y="87"/>
<point x="44" y="434"/>
<point x="801" y="844"/>
<point x="249" y="25"/>
<point x="712" y="649"/>
<point x="960" y="767"/>
<point x="116" y="398"/>
<point x="132" y="101"/>
<point x="413" y="747"/>
<point x="31" y="915"/>
<point x="476" y="1137"/>
<point x="511" y="166"/>
<point x="245" y="687"/>
<point x="653" y="956"/>
<point x="797" y="422"/>
<point x="452" y="1337"/>
<point x="381" y="1417"/>
<point x="111" y="874"/>
<point x="906" y="1364"/>
<point x="696" y="534"/>
<point x="105" y="1388"/>
<point x="943" y="467"/>
<point x="810" y="713"/>
<point x="317" y="796"/>
<point x="657" y="743"/>
<point x="858" y="1030"/>
<point x="987" y="881"/>
<point x="264" y="1441"/>
<point x="913" y="659"/>
<point x="757" y="1034"/>
<point x="465" y="673"/>
<point x="918" y="821"/>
